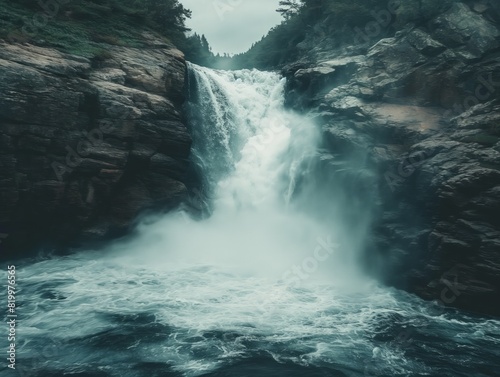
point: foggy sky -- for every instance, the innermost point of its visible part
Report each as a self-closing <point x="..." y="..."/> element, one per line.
<point x="232" y="25"/>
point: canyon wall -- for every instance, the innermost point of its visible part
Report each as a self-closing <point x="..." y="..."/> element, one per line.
<point x="418" y="112"/>
<point x="86" y="145"/>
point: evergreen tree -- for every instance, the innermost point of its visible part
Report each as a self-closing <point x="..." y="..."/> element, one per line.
<point x="288" y="8"/>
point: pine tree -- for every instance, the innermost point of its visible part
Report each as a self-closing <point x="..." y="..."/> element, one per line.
<point x="288" y="8"/>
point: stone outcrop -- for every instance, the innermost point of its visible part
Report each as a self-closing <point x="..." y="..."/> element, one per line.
<point x="421" y="109"/>
<point x="86" y="145"/>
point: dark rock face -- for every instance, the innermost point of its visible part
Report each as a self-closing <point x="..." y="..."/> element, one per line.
<point x="421" y="109"/>
<point x="86" y="146"/>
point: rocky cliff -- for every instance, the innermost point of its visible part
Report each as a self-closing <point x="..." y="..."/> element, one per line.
<point x="409" y="107"/>
<point x="411" y="113"/>
<point x="86" y="145"/>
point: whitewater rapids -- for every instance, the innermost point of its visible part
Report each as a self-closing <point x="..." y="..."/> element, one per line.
<point x="258" y="285"/>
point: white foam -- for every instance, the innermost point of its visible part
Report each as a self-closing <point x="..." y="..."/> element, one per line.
<point x="256" y="275"/>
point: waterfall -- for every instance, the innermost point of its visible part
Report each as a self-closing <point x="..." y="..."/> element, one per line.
<point x="252" y="154"/>
<point x="266" y="283"/>
<point x="245" y="143"/>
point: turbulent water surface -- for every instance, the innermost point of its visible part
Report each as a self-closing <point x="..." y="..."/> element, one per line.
<point x="265" y="284"/>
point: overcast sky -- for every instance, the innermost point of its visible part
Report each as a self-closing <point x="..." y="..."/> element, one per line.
<point x="232" y="25"/>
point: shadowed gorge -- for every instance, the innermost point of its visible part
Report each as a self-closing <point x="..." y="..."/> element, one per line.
<point x="268" y="283"/>
<point x="324" y="205"/>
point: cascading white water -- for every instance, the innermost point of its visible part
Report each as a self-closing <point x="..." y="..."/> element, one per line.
<point x="259" y="287"/>
<point x="250" y="150"/>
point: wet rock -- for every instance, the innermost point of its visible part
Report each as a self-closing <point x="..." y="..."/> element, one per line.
<point x="85" y="148"/>
<point x="421" y="109"/>
<point x="424" y="43"/>
<point x="460" y="26"/>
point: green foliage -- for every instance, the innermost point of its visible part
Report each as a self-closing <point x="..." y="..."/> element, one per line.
<point x="275" y="49"/>
<point x="289" y="8"/>
<point x="198" y="51"/>
<point x="102" y="55"/>
<point x="85" y="27"/>
<point x="310" y="22"/>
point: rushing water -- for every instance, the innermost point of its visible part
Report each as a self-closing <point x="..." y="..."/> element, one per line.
<point x="260" y="286"/>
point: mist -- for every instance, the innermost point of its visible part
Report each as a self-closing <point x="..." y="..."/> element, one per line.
<point x="261" y="267"/>
<point x="267" y="216"/>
